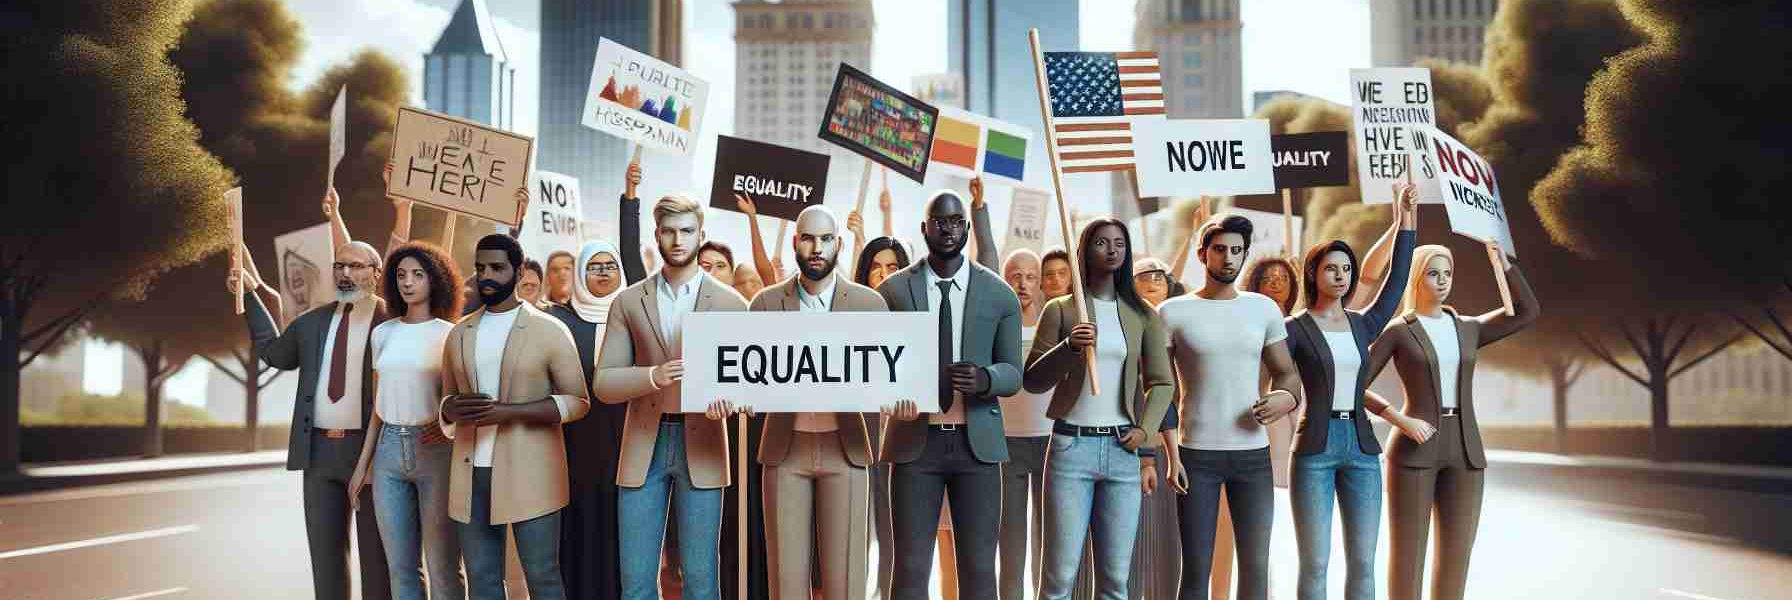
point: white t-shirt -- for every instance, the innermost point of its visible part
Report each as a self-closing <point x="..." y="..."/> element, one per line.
<point x="1110" y="360"/>
<point x="1023" y="414"/>
<point x="1346" y="362"/>
<point x="1219" y="349"/>
<point x="408" y="358"/>
<point x="1442" y="331"/>
<point x="489" y="339"/>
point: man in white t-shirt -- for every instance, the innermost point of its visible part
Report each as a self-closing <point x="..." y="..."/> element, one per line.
<point x="1221" y="338"/>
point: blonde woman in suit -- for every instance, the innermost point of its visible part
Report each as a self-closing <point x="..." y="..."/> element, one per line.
<point x="1440" y="477"/>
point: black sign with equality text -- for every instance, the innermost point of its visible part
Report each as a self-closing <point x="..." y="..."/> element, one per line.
<point x="782" y="181"/>
<point x="1305" y="160"/>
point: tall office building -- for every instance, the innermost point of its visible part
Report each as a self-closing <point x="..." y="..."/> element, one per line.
<point x="570" y="30"/>
<point x="986" y="40"/>
<point x="467" y="74"/>
<point x="1404" y="31"/>
<point x="1199" y="47"/>
<point x="786" y="55"/>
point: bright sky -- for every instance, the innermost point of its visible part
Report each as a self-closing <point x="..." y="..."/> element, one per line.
<point x="1279" y="54"/>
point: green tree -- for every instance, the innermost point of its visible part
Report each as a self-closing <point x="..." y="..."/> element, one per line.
<point x="236" y="56"/>
<point x="108" y="183"/>
<point x="1681" y="180"/>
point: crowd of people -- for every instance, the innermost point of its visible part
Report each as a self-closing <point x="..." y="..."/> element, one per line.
<point x="539" y="399"/>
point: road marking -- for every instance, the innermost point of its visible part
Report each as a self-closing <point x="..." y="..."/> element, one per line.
<point x="142" y="488"/>
<point x="101" y="541"/>
<point x="1684" y="594"/>
<point x="154" y="594"/>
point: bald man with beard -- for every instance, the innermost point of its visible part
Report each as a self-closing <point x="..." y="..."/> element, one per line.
<point x="816" y="466"/>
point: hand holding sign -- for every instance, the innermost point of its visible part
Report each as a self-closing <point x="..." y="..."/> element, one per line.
<point x="722" y="409"/>
<point x="902" y="410"/>
<point x="668" y="373"/>
<point x="855" y="223"/>
<point x="632" y="180"/>
<point x="977" y="192"/>
<point x="745" y="203"/>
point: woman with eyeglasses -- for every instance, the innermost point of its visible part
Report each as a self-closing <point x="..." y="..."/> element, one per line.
<point x="590" y="560"/>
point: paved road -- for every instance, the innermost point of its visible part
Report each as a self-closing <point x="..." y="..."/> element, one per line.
<point x="239" y="536"/>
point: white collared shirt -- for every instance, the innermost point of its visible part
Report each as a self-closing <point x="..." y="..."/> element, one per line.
<point x="1442" y="331"/>
<point x="674" y="303"/>
<point x="822" y="302"/>
<point x="344" y="413"/>
<point x="961" y="281"/>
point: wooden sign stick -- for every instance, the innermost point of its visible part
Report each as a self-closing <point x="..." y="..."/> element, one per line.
<point x="1051" y="151"/>
<point x="1498" y="258"/>
<point x="1144" y="219"/>
<point x="740" y="505"/>
<point x="865" y="188"/>
<point x="233" y="203"/>
<point x="1288" y="246"/>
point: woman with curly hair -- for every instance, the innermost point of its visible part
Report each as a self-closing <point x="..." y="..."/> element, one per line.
<point x="407" y="458"/>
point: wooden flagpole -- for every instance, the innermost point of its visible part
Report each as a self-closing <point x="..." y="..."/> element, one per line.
<point x="1051" y="151"/>
<point x="1138" y="202"/>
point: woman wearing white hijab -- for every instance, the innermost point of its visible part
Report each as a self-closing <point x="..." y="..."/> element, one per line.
<point x="589" y="559"/>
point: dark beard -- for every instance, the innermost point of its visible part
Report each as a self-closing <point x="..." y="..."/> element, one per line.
<point x="690" y="258"/>
<point x="505" y="292"/>
<point x="1222" y="278"/>
<point x="815" y="275"/>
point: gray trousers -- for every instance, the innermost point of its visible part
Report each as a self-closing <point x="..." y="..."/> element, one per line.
<point x="1023" y="480"/>
<point x="327" y="521"/>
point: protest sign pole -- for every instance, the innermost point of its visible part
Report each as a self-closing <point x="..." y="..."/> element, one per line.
<point x="1288" y="223"/>
<point x="740" y="511"/>
<point x="635" y="159"/>
<point x="865" y="187"/>
<point x="233" y="203"/>
<point x="1144" y="222"/>
<point x="448" y="232"/>
<point x="1051" y="151"/>
<point x="1498" y="259"/>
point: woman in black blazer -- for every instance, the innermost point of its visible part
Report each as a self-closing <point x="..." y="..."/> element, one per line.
<point x="1335" y="448"/>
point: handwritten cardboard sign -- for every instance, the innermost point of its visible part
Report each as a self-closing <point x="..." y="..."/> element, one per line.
<point x="458" y="165"/>
<point x="1390" y="109"/>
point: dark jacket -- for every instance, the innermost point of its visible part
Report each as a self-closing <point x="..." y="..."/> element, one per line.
<point x="301" y="347"/>
<point x="1313" y="357"/>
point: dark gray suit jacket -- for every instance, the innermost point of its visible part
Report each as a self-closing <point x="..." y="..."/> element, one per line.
<point x="991" y="340"/>
<point x="301" y="347"/>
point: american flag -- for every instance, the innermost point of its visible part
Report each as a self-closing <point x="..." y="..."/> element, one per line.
<point x="1096" y="97"/>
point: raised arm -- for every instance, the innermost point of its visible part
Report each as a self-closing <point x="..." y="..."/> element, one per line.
<point x="762" y="262"/>
<point x="629" y="229"/>
<point x="1180" y="262"/>
<point x="279" y="350"/>
<point x="1393" y="287"/>
<point x="1496" y="324"/>
<point x="1375" y="265"/>
<point x="333" y="212"/>
<point x="987" y="254"/>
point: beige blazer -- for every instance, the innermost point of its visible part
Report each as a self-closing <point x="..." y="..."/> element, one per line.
<point x="774" y="441"/>
<point x="632" y="347"/>
<point x="528" y="461"/>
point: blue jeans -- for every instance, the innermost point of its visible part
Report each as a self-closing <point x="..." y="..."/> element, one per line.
<point x="1344" y="471"/>
<point x="643" y="512"/>
<point x="410" y="500"/>
<point x="1091" y="485"/>
<point x="537" y="547"/>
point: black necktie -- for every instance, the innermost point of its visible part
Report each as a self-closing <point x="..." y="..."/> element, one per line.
<point x="945" y="344"/>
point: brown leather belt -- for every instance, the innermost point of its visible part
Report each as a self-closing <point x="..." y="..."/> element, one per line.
<point x="334" y="434"/>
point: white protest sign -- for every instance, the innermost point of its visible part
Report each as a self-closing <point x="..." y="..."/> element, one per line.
<point x="338" y="133"/>
<point x="1390" y="111"/>
<point x="810" y="362"/>
<point x="637" y="97"/>
<point x="1266" y="241"/>
<point x="552" y="222"/>
<point x="1026" y="221"/>
<point x="1215" y="157"/>
<point x="233" y="203"/>
<point x="1471" y="192"/>
<point x="304" y="258"/>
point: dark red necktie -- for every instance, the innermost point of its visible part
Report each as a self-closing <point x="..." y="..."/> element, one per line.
<point x="339" y="357"/>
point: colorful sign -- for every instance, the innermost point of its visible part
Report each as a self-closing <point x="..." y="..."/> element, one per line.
<point x="637" y="97"/>
<point x="879" y="122"/>
<point x="968" y="144"/>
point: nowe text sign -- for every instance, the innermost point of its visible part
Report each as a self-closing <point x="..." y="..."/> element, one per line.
<point x="1391" y="109"/>
<point x="810" y="362"/>
<point x="458" y="165"/>
<point x="1216" y="157"/>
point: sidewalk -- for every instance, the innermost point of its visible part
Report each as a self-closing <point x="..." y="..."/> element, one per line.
<point x="50" y="476"/>
<point x="1748" y="478"/>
